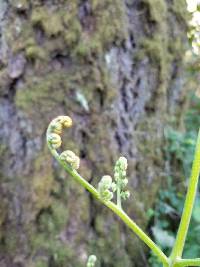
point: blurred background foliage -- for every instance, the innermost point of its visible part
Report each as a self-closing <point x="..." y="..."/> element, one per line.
<point x="179" y="149"/>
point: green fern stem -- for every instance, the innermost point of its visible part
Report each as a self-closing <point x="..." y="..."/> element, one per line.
<point x="115" y="208"/>
<point x="177" y="250"/>
<point x="187" y="262"/>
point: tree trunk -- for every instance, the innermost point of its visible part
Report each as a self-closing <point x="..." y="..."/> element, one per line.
<point x="114" y="66"/>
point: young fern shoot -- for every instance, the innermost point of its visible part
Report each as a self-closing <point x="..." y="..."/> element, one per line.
<point x="107" y="188"/>
<point x="121" y="180"/>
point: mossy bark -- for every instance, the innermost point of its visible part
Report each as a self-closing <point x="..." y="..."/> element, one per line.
<point x="115" y="67"/>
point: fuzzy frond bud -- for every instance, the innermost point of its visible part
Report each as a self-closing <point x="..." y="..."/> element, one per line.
<point x="125" y="195"/>
<point x="106" y="181"/>
<point x="104" y="187"/>
<point x="65" y="120"/>
<point x="54" y="140"/>
<point x="59" y="123"/>
<point x="114" y="187"/>
<point x="91" y="261"/>
<point x="56" y="127"/>
<point x="70" y="157"/>
<point x="120" y="177"/>
<point x="120" y="168"/>
<point x="124" y="183"/>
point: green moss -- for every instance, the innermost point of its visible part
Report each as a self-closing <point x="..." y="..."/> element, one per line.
<point x="42" y="182"/>
<point x="108" y="234"/>
<point x="157" y="50"/>
<point x="72" y="26"/>
<point x="91" y="80"/>
<point x="59" y="252"/>
<point x="53" y="220"/>
<point x="53" y="26"/>
<point x="20" y="4"/>
<point x="60" y="214"/>
<point x="39" y="15"/>
<point x="176" y="47"/>
<point x="53" y="247"/>
<point x="109" y="26"/>
<point x="51" y="23"/>
<point x="48" y="237"/>
<point x="41" y="263"/>
<point x="157" y="46"/>
<point x="41" y="186"/>
<point x="106" y="26"/>
<point x="36" y="92"/>
<point x="11" y="241"/>
<point x="180" y="9"/>
<point x="3" y="214"/>
<point x="3" y="148"/>
<point x="34" y="52"/>
<point x="58" y="22"/>
<point x="157" y="10"/>
<point x="106" y="31"/>
<point x="25" y="39"/>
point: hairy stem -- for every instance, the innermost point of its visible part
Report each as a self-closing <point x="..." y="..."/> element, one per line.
<point x="188" y="206"/>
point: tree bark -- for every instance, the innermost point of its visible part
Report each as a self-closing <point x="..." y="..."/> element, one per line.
<point x="114" y="66"/>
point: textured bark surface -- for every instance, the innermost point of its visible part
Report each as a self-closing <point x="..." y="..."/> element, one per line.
<point x="114" y="66"/>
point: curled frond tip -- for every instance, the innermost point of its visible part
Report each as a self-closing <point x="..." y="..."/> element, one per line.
<point x="54" y="139"/>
